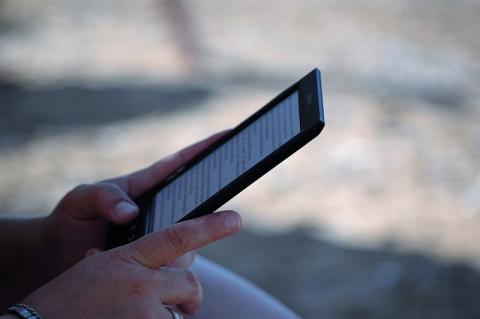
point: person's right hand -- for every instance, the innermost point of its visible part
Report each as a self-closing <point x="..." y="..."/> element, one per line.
<point x="132" y="281"/>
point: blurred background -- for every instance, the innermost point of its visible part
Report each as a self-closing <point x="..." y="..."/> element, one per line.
<point x="379" y="217"/>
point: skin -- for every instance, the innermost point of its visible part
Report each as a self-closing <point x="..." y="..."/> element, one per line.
<point x="60" y="258"/>
<point x="36" y="251"/>
<point x="133" y="281"/>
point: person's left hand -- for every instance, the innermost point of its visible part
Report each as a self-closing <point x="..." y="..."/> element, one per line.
<point x="79" y="222"/>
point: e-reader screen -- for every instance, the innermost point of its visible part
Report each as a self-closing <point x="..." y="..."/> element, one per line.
<point x="229" y="161"/>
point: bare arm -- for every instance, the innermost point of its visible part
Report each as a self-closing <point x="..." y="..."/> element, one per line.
<point x="134" y="281"/>
<point x="34" y="251"/>
<point x="22" y="267"/>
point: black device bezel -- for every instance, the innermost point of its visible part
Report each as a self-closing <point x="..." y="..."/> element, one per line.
<point x="312" y="122"/>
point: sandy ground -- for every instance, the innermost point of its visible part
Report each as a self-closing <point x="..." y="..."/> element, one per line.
<point x="377" y="218"/>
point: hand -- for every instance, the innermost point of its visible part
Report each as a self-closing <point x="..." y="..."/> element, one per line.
<point x="132" y="281"/>
<point x="80" y="220"/>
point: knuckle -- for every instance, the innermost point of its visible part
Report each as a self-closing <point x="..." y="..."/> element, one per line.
<point x="156" y="170"/>
<point x="121" y="254"/>
<point x="135" y="252"/>
<point x="192" y="280"/>
<point x="80" y="187"/>
<point x="184" y="261"/>
<point x="73" y="193"/>
<point x="176" y="240"/>
<point x="188" y="259"/>
<point x="191" y="304"/>
<point x="105" y="193"/>
<point x="95" y="191"/>
<point x="140" y="286"/>
<point x="104" y="189"/>
<point x="107" y="185"/>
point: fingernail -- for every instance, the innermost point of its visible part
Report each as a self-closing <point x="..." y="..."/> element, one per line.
<point x="232" y="221"/>
<point x="124" y="209"/>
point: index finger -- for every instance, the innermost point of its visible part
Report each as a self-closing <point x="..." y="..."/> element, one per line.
<point x="159" y="248"/>
<point x="137" y="183"/>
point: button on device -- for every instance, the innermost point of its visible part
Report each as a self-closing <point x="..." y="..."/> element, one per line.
<point x="309" y="98"/>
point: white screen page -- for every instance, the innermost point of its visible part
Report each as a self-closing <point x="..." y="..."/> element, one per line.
<point x="226" y="163"/>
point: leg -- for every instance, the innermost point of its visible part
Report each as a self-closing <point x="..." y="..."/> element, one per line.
<point x="226" y="295"/>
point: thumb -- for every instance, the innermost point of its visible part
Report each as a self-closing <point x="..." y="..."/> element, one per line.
<point x="99" y="201"/>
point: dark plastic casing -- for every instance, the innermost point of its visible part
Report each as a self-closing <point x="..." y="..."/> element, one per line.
<point x="312" y="121"/>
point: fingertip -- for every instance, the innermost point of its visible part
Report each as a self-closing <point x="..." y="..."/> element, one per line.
<point x="124" y="212"/>
<point x="192" y="306"/>
<point x="232" y="220"/>
<point x="187" y="309"/>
